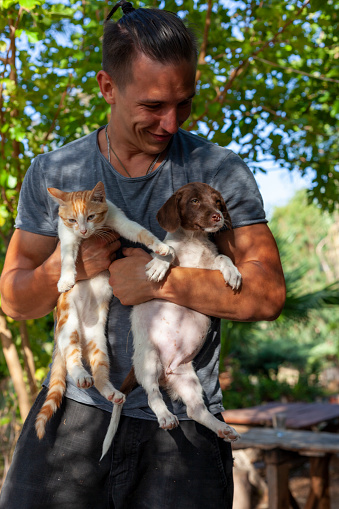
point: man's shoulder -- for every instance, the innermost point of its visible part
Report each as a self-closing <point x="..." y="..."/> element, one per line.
<point x="72" y="152"/>
<point x="195" y="140"/>
<point x="195" y="148"/>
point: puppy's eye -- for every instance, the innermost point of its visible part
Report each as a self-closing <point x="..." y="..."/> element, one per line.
<point x="89" y="218"/>
<point x="195" y="200"/>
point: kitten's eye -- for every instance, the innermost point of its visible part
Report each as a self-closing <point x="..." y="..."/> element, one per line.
<point x="92" y="216"/>
<point x="72" y="220"/>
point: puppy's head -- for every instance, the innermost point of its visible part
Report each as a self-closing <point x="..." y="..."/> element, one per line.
<point x="195" y="207"/>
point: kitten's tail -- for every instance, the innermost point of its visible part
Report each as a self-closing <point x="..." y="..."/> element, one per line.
<point x="57" y="387"/>
<point x="128" y="385"/>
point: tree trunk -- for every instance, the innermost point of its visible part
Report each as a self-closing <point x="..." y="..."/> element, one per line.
<point x="14" y="366"/>
<point x="28" y="359"/>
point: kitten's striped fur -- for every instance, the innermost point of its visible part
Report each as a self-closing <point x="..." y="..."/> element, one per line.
<point x="82" y="306"/>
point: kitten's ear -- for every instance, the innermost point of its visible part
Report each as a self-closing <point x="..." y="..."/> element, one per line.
<point x="98" y="193"/>
<point x="57" y="195"/>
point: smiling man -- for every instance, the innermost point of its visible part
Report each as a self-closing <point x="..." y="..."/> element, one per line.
<point x="142" y="156"/>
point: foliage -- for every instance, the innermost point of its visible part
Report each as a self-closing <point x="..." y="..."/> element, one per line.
<point x="266" y="84"/>
<point x="246" y="391"/>
<point x="305" y="337"/>
<point x="267" y="81"/>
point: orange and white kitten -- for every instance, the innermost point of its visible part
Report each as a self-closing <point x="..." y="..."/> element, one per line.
<point x="82" y="310"/>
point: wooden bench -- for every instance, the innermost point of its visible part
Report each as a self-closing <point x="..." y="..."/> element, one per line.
<point x="283" y="447"/>
<point x="280" y="450"/>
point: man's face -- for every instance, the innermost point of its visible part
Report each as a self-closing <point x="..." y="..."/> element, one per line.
<point x="150" y="109"/>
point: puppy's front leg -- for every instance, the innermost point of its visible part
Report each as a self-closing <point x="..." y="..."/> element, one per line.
<point x="231" y="274"/>
<point x="157" y="268"/>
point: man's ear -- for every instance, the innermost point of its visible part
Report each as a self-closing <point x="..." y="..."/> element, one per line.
<point x="107" y="86"/>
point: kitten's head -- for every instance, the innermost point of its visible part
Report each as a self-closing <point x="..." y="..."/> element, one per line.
<point x="83" y="211"/>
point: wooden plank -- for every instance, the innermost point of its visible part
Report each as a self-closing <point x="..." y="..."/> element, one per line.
<point x="307" y="441"/>
<point x="298" y="415"/>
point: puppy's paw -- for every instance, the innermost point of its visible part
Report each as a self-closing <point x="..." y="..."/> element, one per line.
<point x="232" y="277"/>
<point x="227" y="433"/>
<point x="156" y="269"/>
<point x="229" y="271"/>
<point x="168" y="421"/>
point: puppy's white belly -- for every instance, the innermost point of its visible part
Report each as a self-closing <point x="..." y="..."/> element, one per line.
<point x="176" y="332"/>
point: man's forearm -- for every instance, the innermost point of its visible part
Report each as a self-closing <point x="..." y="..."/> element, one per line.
<point x="261" y="296"/>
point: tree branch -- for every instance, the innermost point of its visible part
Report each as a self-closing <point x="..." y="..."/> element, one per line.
<point x="291" y="69"/>
<point x="61" y="104"/>
<point x="203" y="49"/>
<point x="238" y="70"/>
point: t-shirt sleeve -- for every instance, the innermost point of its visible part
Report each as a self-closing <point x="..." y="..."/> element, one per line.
<point x="34" y="209"/>
<point x="235" y="181"/>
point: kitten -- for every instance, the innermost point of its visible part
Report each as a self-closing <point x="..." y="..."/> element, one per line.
<point x="82" y="307"/>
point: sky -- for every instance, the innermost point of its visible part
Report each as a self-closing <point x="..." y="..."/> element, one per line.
<point x="278" y="186"/>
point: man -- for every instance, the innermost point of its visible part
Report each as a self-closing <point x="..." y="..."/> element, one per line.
<point x="148" y="78"/>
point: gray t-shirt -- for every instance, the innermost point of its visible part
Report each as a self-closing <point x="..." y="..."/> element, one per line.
<point x="80" y="165"/>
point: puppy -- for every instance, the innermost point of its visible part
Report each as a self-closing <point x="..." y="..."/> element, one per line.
<point x="166" y="336"/>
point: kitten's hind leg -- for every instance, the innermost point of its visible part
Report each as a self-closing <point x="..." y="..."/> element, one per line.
<point x="97" y="355"/>
<point x="73" y="358"/>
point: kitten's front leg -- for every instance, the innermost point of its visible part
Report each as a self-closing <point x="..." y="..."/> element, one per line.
<point x="231" y="274"/>
<point x="69" y="247"/>
<point x="133" y="231"/>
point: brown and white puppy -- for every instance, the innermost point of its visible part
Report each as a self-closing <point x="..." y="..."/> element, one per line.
<point x="166" y="336"/>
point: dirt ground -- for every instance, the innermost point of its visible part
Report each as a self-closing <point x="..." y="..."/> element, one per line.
<point x="300" y="485"/>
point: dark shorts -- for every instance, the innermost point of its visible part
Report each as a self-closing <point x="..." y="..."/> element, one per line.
<point x="147" y="467"/>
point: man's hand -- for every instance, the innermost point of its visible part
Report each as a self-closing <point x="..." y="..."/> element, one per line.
<point x="128" y="277"/>
<point x="96" y="254"/>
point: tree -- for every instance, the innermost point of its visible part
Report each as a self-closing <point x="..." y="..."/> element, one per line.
<point x="305" y="336"/>
<point x="267" y="81"/>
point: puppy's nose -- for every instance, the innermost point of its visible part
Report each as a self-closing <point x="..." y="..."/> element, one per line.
<point x="216" y="218"/>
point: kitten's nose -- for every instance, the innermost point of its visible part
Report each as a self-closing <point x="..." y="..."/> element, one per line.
<point x="83" y="231"/>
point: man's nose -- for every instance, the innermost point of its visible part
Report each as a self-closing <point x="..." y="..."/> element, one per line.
<point x="169" y="121"/>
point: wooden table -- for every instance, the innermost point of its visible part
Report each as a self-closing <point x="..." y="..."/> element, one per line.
<point x="298" y="415"/>
<point x="283" y="446"/>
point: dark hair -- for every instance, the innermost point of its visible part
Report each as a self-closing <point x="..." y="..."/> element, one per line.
<point x="158" y="34"/>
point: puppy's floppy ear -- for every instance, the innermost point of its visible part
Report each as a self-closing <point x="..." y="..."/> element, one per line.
<point x="168" y="216"/>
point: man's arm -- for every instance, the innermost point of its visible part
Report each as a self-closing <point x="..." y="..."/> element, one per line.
<point x="254" y="252"/>
<point x="28" y="284"/>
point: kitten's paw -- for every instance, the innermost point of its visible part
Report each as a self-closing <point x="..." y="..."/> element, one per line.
<point x="111" y="393"/>
<point x="66" y="283"/>
<point x="156" y="269"/>
<point x="167" y="420"/>
<point x="165" y="250"/>
<point x="227" y="433"/>
<point x="85" y="381"/>
<point x="162" y="249"/>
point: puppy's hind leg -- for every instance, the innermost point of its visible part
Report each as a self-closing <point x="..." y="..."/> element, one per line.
<point x="148" y="369"/>
<point x="185" y="384"/>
